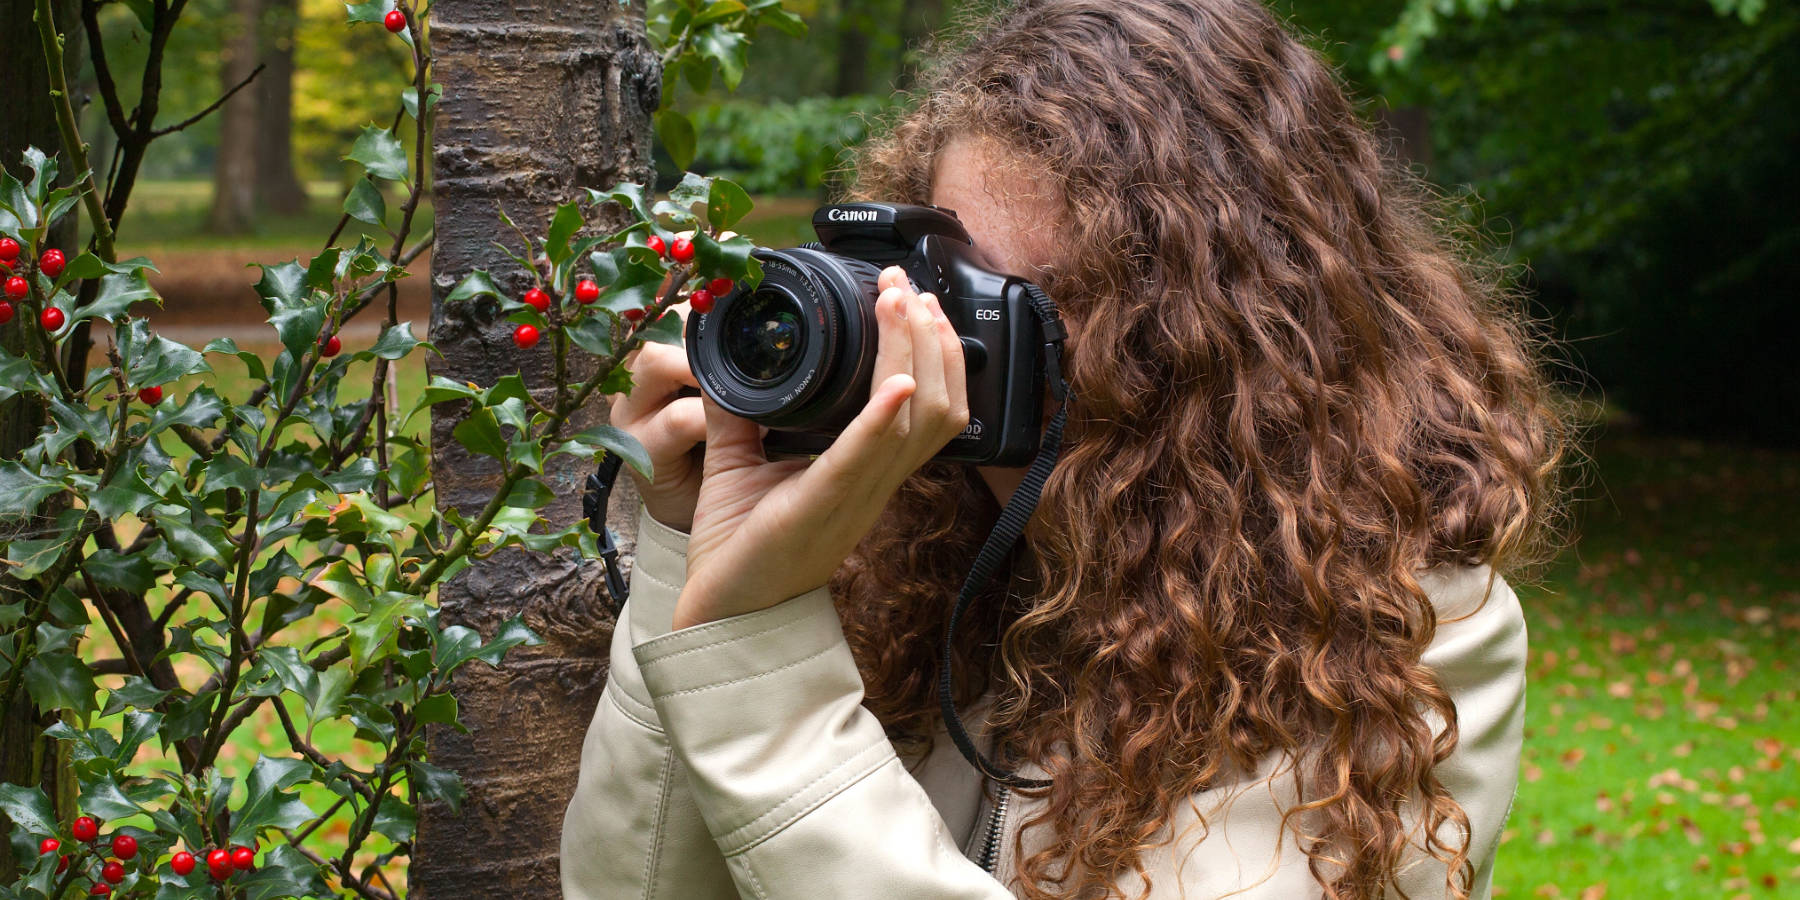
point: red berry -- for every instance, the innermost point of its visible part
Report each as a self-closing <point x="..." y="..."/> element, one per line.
<point x="124" y="845"/>
<point x="587" y="292"/>
<point x="100" y="890"/>
<point x="151" y="396"/>
<point x="721" y="286"/>
<point x="51" y="263"/>
<point x="52" y="320"/>
<point x="526" y="336"/>
<point x="9" y="249"/>
<point x="6" y="312"/>
<point x="113" y="871"/>
<point x="85" y="828"/>
<point x="537" y="299"/>
<point x="683" y="251"/>
<point x="243" y="859"/>
<point x="394" y="21"/>
<point x="701" y="301"/>
<point x="48" y="845"/>
<point x="62" y="864"/>
<point x="17" y="288"/>
<point x="655" y="243"/>
<point x="182" y="862"/>
<point x="632" y="315"/>
<point x="333" y="347"/>
<point x="218" y="862"/>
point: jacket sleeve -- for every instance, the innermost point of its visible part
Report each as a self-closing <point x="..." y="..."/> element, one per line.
<point x="631" y="828"/>
<point x="798" y="784"/>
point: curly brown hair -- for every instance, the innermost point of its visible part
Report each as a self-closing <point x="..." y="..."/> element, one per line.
<point x="1294" y="386"/>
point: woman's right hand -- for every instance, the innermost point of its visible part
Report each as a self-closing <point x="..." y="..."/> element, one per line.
<point x="670" y="427"/>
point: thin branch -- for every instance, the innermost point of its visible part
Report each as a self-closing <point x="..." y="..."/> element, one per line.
<point x="71" y="135"/>
<point x="215" y="104"/>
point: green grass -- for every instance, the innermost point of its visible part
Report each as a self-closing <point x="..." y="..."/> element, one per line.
<point x="1662" y="758"/>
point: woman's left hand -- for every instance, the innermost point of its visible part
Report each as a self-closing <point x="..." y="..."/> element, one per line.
<point x="767" y="531"/>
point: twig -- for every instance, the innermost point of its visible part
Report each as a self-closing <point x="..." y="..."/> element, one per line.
<point x="215" y="104"/>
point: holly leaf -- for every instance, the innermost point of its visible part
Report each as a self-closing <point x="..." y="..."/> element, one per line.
<point x="282" y="285"/>
<point x="365" y="203"/>
<point x="60" y="680"/>
<point x="395" y="342"/>
<point x="443" y="785"/>
<point x="513" y="633"/>
<point x="380" y="153"/>
<point x="562" y="227"/>
<point x="613" y="440"/>
<point x="28" y="808"/>
<point x="117" y="293"/>
<point x="478" y="284"/>
<point x="726" y="204"/>
<point x="665" y="330"/>
<point x="676" y="132"/>
<point x="480" y="433"/>
<point x="266" y="805"/>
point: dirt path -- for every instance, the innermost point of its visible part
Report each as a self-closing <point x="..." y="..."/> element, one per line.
<point x="211" y="293"/>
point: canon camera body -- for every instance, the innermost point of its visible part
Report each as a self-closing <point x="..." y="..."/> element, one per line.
<point x="796" y="353"/>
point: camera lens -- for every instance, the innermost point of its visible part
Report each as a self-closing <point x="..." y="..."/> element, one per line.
<point x="796" y="351"/>
<point x="763" y="338"/>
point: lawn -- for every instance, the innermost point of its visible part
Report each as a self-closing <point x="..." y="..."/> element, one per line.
<point x="1662" y="757"/>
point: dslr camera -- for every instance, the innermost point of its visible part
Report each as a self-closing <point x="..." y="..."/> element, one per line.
<point x="796" y="353"/>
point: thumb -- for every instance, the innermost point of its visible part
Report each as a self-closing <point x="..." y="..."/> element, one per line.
<point x="731" y="442"/>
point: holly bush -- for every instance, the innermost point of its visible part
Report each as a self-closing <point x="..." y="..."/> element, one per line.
<point x="196" y="539"/>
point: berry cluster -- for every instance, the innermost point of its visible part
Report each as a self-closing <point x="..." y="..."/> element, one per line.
<point x="221" y="862"/>
<point x="17" y="287"/>
<point x="587" y="292"/>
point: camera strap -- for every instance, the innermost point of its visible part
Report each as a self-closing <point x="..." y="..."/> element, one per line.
<point x="1005" y="535"/>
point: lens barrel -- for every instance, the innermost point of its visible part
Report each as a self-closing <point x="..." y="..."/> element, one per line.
<point x="798" y="350"/>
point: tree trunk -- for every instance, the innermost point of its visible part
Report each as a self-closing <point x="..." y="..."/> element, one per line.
<point x="278" y="190"/>
<point x="234" y="170"/>
<point x="541" y="98"/>
<point x="852" y="49"/>
<point x="27" y="119"/>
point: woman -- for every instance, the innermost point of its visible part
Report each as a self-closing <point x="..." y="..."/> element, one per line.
<point x="1254" y="638"/>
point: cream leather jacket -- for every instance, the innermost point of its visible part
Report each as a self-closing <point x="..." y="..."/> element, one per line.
<point x="735" y="759"/>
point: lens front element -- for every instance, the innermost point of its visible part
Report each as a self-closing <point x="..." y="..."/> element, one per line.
<point x="764" y="340"/>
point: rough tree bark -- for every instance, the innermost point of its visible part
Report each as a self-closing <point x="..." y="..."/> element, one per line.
<point x="278" y="190"/>
<point x="26" y="120"/>
<point x="234" y="170"/>
<point x="540" y="97"/>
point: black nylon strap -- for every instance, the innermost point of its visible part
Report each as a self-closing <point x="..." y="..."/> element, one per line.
<point x="1005" y="534"/>
<point x="594" y="502"/>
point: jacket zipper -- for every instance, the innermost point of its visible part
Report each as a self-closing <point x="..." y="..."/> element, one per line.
<point x="990" y="849"/>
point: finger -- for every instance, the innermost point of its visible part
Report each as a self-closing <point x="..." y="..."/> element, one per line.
<point x="731" y="442"/>
<point x="862" y="457"/>
<point x="657" y="373"/>
<point x="956" y="371"/>
<point x="893" y="355"/>
<point x="930" y="407"/>
<point x="892" y="276"/>
<point x="677" y="427"/>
